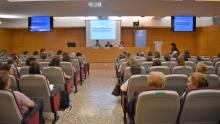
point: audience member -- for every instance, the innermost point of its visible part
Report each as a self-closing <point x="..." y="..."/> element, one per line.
<point x="23" y="101"/>
<point x="35" y="54"/>
<point x="157" y="54"/>
<point x="135" y="70"/>
<point x="156" y="80"/>
<point x="156" y="62"/>
<point x="24" y="56"/>
<point x="186" y="55"/>
<point x="108" y="44"/>
<point x="97" y="44"/>
<point x="180" y="61"/>
<point x="34" y="68"/>
<point x="30" y="60"/>
<point x="201" y="67"/>
<point x="167" y="57"/>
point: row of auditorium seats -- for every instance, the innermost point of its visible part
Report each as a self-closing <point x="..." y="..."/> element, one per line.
<point x="197" y="106"/>
<point x="47" y="88"/>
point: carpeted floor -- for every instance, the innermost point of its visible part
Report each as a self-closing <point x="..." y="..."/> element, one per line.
<point x="93" y="104"/>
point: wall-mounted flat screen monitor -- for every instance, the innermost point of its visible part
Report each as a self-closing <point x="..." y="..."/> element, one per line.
<point x="40" y="24"/>
<point x="183" y="23"/>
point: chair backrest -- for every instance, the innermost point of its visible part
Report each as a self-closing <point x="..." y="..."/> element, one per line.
<point x="192" y="60"/>
<point x="218" y="72"/>
<point x="10" y="112"/>
<point x="67" y="68"/>
<point x="75" y="63"/>
<point x="24" y="70"/>
<point x="215" y="60"/>
<point x="213" y="80"/>
<point x="210" y="70"/>
<point x="127" y="73"/>
<point x="15" y="72"/>
<point x="169" y="64"/>
<point x="177" y="82"/>
<point x="121" y="61"/>
<point x="205" y="58"/>
<point x="22" y="64"/>
<point x="183" y="70"/>
<point x="191" y="64"/>
<point x="164" y="69"/>
<point x="14" y="84"/>
<point x="208" y="63"/>
<point x="36" y="86"/>
<point x="136" y="83"/>
<point x="147" y="65"/>
<point x="122" y="67"/>
<point x="157" y="107"/>
<point x="201" y="107"/>
<point x="55" y="76"/>
<point x="43" y="64"/>
<point x="217" y="65"/>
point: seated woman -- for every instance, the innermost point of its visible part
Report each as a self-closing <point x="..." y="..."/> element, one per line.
<point x="66" y="58"/>
<point x="167" y="57"/>
<point x="180" y="61"/>
<point x="135" y="70"/>
<point x="56" y="62"/>
<point x="30" y="60"/>
<point x="23" y="101"/>
<point x="197" y="80"/>
<point x="7" y="67"/>
<point x="201" y="67"/>
<point x="186" y="55"/>
<point x="155" y="80"/>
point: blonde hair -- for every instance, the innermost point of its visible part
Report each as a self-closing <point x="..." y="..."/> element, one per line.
<point x="156" y="79"/>
<point x="131" y="61"/>
<point x="198" y="79"/>
<point x="180" y="60"/>
<point x="201" y="67"/>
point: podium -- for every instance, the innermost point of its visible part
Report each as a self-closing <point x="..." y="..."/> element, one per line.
<point x="158" y="46"/>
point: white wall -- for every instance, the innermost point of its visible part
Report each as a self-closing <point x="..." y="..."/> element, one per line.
<point x="125" y="22"/>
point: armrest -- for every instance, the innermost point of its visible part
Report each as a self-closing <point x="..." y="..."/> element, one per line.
<point x="124" y="100"/>
<point x="32" y="116"/>
<point x="55" y="99"/>
<point x="68" y="86"/>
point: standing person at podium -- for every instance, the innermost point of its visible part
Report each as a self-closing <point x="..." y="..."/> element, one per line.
<point x="174" y="48"/>
<point x="97" y="44"/>
<point x="108" y="44"/>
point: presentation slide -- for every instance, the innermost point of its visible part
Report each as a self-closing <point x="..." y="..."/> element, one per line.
<point x="40" y="24"/>
<point x="184" y="23"/>
<point x="103" y="30"/>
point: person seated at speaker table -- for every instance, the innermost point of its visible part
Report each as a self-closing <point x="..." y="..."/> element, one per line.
<point x="174" y="49"/>
<point x="56" y="62"/>
<point x="180" y="60"/>
<point x="156" y="80"/>
<point x="122" y="44"/>
<point x="108" y="44"/>
<point x="97" y="44"/>
<point x="23" y="101"/>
